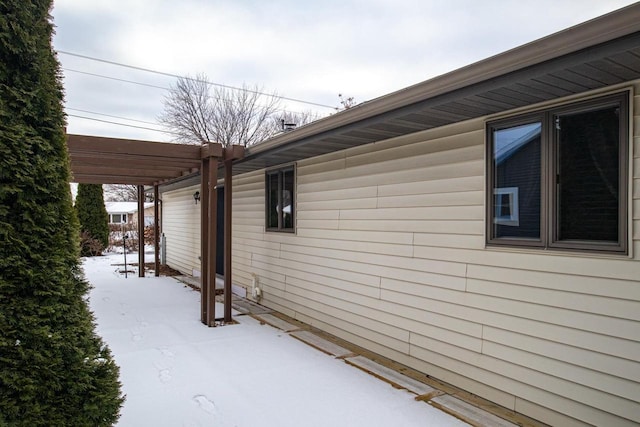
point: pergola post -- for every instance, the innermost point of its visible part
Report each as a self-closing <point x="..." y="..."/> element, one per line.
<point x="156" y="230"/>
<point x="228" y="191"/>
<point x="230" y="154"/>
<point x="140" y="230"/>
<point x="211" y="238"/>
<point x="208" y="217"/>
<point x="204" y="247"/>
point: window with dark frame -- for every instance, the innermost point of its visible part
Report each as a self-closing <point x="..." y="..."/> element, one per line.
<point x="118" y="218"/>
<point x="558" y="178"/>
<point x="280" y="200"/>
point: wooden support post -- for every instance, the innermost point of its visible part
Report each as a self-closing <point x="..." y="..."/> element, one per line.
<point x="156" y="230"/>
<point x="211" y="238"/>
<point x="208" y="216"/>
<point x="140" y="230"/>
<point x="204" y="247"/>
<point x="228" y="192"/>
<point x="230" y="154"/>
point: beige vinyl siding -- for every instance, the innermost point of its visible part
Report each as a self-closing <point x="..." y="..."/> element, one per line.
<point x="389" y="253"/>
<point x="181" y="227"/>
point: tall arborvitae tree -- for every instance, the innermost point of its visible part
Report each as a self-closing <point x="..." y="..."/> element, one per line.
<point x="93" y="216"/>
<point x="54" y="369"/>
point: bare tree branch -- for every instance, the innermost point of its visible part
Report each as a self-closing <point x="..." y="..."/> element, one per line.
<point x="120" y="193"/>
<point x="346" y="102"/>
<point x="197" y="113"/>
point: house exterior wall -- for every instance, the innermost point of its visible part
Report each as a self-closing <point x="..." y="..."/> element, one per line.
<point x="148" y="216"/>
<point x="181" y="228"/>
<point x="389" y="253"/>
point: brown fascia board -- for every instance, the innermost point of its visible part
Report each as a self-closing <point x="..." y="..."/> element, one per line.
<point x="599" y="30"/>
<point x="114" y="146"/>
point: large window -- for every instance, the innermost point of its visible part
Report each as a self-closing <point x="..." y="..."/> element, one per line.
<point x="558" y="178"/>
<point x="280" y="203"/>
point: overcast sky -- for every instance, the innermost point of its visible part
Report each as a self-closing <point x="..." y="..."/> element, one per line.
<point x="301" y="49"/>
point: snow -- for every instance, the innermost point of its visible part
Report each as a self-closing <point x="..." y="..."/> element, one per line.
<point x="177" y="372"/>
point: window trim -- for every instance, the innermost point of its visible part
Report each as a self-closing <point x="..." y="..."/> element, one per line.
<point x="548" y="168"/>
<point x="280" y="173"/>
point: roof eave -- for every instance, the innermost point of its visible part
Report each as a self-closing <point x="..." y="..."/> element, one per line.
<point x="599" y="30"/>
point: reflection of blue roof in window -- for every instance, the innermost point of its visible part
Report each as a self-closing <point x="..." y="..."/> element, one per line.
<point x="506" y="150"/>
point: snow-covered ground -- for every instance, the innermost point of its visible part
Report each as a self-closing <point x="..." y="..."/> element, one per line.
<point x="177" y="372"/>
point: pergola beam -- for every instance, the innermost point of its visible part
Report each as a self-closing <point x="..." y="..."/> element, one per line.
<point x="100" y="160"/>
<point x="111" y="179"/>
<point x="94" y="144"/>
<point x="89" y="159"/>
<point x="156" y="173"/>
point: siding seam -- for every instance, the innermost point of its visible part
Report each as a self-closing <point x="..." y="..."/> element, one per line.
<point x="466" y="276"/>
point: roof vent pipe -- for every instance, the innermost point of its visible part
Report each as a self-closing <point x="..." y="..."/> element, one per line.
<point x="286" y="127"/>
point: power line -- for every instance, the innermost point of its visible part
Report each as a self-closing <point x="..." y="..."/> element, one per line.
<point x="116" y="79"/>
<point x="162" y="73"/>
<point x="119" y="124"/>
<point x="147" y="85"/>
<point x="109" y="115"/>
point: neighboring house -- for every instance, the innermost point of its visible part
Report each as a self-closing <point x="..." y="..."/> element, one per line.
<point x="482" y="227"/>
<point x="127" y="212"/>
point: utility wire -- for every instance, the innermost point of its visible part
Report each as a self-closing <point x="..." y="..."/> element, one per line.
<point x="115" y="78"/>
<point x="147" y="85"/>
<point x="162" y="73"/>
<point x="119" y="124"/>
<point x="109" y="115"/>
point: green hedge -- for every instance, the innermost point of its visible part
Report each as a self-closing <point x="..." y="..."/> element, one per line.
<point x="93" y="216"/>
<point x="54" y="369"/>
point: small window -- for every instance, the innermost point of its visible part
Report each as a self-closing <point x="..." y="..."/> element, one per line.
<point x="506" y="206"/>
<point x="558" y="178"/>
<point x="280" y="200"/>
<point x="118" y="218"/>
<point x="516" y="180"/>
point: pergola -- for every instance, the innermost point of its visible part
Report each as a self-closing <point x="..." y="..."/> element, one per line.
<point x="100" y="160"/>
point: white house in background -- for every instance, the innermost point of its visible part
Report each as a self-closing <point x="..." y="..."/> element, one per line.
<point x="482" y="227"/>
<point x="127" y="213"/>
